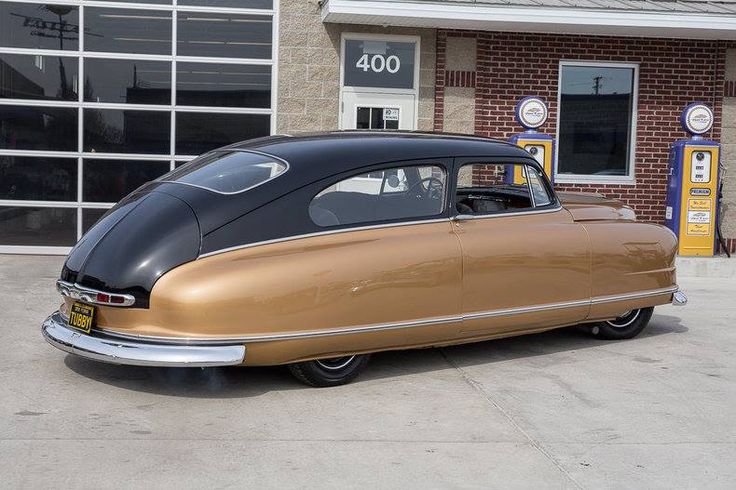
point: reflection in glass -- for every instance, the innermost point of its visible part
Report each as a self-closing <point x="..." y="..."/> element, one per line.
<point x="200" y="132"/>
<point x="126" y="131"/>
<point x="596" y="105"/>
<point x="38" y="179"/>
<point x="111" y="180"/>
<point x="127" y="30"/>
<point x="35" y="25"/>
<point x="245" y="4"/>
<point x="131" y="81"/>
<point x="223" y="85"/>
<point x="226" y="35"/>
<point x="38" y="226"/>
<point x="38" y="128"/>
<point x="26" y="76"/>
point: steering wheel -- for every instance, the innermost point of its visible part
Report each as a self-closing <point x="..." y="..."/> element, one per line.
<point x="433" y="189"/>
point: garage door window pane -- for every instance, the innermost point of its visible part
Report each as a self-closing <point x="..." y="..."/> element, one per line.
<point x="38" y="128"/>
<point x="26" y="76"/>
<point x="596" y="119"/>
<point x="118" y="131"/>
<point x="245" y="4"/>
<point x="111" y="180"/>
<point x="35" y="25"/>
<point x="384" y="195"/>
<point x="90" y="217"/>
<point x="225" y="35"/>
<point x="218" y="85"/>
<point x="38" y="226"/>
<point x="197" y="133"/>
<point x="127" y="30"/>
<point x="38" y="179"/>
<point x="127" y="81"/>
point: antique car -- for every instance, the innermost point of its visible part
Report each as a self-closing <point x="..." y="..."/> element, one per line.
<point x="316" y="251"/>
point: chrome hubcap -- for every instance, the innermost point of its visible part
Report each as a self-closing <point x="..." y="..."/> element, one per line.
<point x="336" y="363"/>
<point x="624" y="320"/>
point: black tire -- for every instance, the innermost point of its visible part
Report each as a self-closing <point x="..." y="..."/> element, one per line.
<point x="329" y="372"/>
<point x="626" y="326"/>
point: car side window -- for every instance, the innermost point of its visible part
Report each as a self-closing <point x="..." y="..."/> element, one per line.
<point x="382" y="195"/>
<point x="491" y="188"/>
<point x="539" y="191"/>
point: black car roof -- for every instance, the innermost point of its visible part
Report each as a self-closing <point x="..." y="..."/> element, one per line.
<point x="328" y="153"/>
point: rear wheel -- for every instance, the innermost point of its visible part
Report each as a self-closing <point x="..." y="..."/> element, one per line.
<point x="329" y="372"/>
<point x="627" y="326"/>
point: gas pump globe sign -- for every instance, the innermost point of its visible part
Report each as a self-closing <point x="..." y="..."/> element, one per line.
<point x="531" y="112"/>
<point x="382" y="64"/>
<point x="697" y="119"/>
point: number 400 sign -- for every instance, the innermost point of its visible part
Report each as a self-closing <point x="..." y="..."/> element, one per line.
<point x="378" y="62"/>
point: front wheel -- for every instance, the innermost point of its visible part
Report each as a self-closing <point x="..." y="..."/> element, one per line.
<point x="329" y="372"/>
<point x="627" y="326"/>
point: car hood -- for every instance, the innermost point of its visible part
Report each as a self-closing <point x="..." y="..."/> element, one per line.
<point x="136" y="242"/>
<point x="590" y="206"/>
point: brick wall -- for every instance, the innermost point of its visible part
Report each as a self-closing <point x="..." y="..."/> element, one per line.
<point x="672" y="73"/>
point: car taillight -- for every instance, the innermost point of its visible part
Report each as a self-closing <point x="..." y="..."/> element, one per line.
<point x="75" y="291"/>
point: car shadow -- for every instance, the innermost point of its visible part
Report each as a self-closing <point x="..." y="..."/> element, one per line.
<point x="239" y="382"/>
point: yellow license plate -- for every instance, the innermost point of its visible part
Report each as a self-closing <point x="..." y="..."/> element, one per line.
<point x="82" y="317"/>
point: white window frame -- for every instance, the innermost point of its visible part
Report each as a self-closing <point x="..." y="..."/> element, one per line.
<point x="380" y="91"/>
<point x="630" y="178"/>
<point x="172" y="108"/>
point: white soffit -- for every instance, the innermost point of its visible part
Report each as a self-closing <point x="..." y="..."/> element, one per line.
<point x="532" y="18"/>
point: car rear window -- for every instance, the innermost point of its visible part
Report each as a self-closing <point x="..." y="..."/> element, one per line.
<point x="228" y="172"/>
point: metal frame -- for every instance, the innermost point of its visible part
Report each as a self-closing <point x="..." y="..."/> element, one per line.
<point x="630" y="178"/>
<point x="172" y="157"/>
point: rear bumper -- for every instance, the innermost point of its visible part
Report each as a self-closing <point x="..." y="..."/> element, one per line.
<point x="138" y="352"/>
<point x="679" y="298"/>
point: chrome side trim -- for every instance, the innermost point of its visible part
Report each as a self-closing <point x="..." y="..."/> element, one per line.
<point x="89" y="295"/>
<point x="387" y="326"/>
<point x="468" y="217"/>
<point x="137" y="353"/>
<point x="322" y="233"/>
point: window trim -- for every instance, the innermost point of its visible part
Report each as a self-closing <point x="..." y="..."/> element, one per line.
<point x="442" y="163"/>
<point x="630" y="177"/>
<point x="554" y="205"/>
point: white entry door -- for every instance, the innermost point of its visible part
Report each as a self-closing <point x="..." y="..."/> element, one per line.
<point x="366" y="110"/>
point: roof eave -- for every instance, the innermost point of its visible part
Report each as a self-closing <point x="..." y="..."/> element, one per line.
<point x="531" y="19"/>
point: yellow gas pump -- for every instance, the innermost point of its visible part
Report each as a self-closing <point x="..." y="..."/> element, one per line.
<point x="531" y="113"/>
<point x="692" y="188"/>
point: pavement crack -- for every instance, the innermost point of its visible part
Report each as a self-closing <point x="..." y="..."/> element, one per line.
<point x="531" y="440"/>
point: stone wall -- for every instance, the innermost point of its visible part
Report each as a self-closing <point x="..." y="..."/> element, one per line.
<point x="309" y="68"/>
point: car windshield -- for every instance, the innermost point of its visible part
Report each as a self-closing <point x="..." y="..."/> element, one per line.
<point x="228" y="172"/>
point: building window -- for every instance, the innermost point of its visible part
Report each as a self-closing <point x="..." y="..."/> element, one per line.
<point x="97" y="99"/>
<point x="596" y="124"/>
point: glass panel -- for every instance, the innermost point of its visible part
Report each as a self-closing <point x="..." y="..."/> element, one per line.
<point x="111" y="180"/>
<point x="596" y="105"/>
<point x="127" y="30"/>
<point x="197" y="133"/>
<point x="246" y="4"/>
<point x="159" y="2"/>
<point x="228" y="35"/>
<point x="90" y="217"/>
<point x="25" y="76"/>
<point x="364" y="199"/>
<point x="228" y="172"/>
<point x="38" y="128"/>
<point x="38" y="179"/>
<point x="34" y="25"/>
<point x="126" y="131"/>
<point x="223" y="85"/>
<point x="485" y="188"/>
<point x="38" y="226"/>
<point x="539" y="190"/>
<point x="131" y="81"/>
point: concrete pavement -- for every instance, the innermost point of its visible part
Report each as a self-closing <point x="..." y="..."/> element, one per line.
<point x="555" y="410"/>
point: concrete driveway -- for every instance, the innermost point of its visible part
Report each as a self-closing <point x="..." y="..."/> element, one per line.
<point x="558" y="410"/>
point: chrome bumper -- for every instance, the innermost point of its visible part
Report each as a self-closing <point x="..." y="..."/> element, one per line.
<point x="679" y="298"/>
<point x="137" y="352"/>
